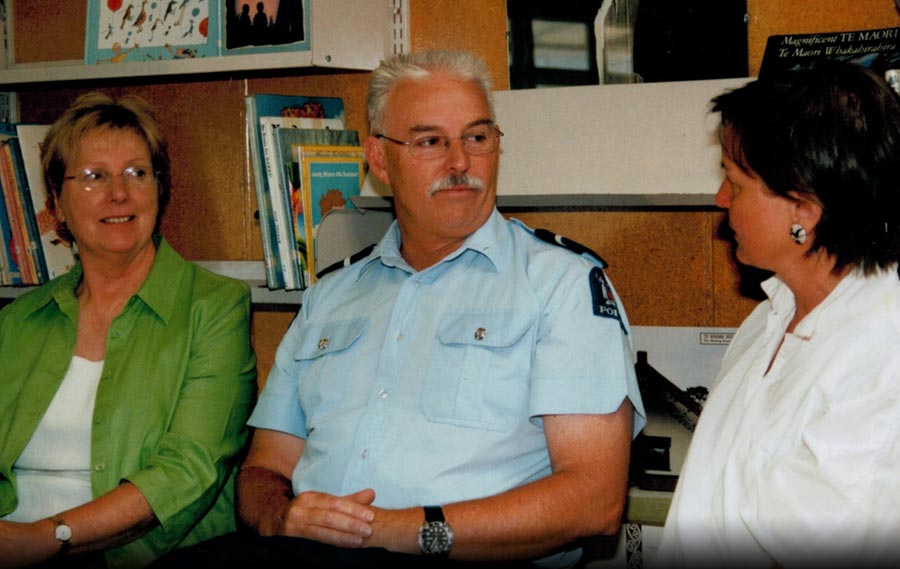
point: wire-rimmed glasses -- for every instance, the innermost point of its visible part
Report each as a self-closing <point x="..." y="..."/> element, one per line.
<point x="482" y="139"/>
<point x="99" y="180"/>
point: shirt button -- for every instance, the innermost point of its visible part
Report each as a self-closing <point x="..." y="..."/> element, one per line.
<point x="323" y="343"/>
<point x="480" y="334"/>
<point x="364" y="454"/>
<point x="100" y="467"/>
<point x="383" y="394"/>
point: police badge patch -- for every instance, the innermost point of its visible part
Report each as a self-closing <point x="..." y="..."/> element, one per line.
<point x="602" y="298"/>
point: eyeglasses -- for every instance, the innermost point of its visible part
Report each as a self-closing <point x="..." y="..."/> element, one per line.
<point x="480" y="140"/>
<point x="134" y="178"/>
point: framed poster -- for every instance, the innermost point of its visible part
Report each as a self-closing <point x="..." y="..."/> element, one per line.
<point x="148" y="30"/>
<point x="265" y="26"/>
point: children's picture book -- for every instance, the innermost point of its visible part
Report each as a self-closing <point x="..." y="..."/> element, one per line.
<point x="149" y="30"/>
<point x="265" y="26"/>
<point x="878" y="50"/>
<point x="286" y="137"/>
<point x="58" y="253"/>
<point x="286" y="106"/>
<point x="329" y="176"/>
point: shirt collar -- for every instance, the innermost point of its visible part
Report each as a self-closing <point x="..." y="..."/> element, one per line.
<point x="158" y="291"/>
<point x="783" y="304"/>
<point x="484" y="241"/>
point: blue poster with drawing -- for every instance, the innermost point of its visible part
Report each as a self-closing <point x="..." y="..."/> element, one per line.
<point x="148" y="30"/>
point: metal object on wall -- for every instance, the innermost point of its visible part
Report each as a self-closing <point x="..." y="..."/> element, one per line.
<point x="614" y="28"/>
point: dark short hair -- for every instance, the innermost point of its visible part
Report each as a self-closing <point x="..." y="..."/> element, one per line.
<point x="832" y="132"/>
<point x="96" y="111"/>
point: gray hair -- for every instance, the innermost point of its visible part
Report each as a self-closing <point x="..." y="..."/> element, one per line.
<point x="419" y="66"/>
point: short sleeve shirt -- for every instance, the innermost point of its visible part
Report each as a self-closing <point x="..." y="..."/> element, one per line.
<point x="428" y="386"/>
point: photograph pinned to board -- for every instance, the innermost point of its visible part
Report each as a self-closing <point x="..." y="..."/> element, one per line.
<point x="265" y="26"/>
<point x="150" y="30"/>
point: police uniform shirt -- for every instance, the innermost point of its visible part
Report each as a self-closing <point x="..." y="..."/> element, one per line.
<point x="429" y="386"/>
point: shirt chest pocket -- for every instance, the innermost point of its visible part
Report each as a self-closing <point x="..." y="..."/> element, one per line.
<point x="328" y="366"/>
<point x="478" y="374"/>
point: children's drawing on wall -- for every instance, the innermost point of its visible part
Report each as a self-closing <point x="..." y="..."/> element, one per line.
<point x="266" y="24"/>
<point x="132" y="30"/>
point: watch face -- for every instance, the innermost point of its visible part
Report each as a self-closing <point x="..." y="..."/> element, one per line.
<point x="435" y="538"/>
<point x="63" y="532"/>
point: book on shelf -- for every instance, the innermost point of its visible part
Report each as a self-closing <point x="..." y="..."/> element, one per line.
<point x="877" y="49"/>
<point x="284" y="106"/>
<point x="33" y="250"/>
<point x="9" y="268"/>
<point x="329" y="176"/>
<point x="286" y="137"/>
<point x="57" y="250"/>
<point x="32" y="232"/>
<point x="20" y="246"/>
<point x="279" y="199"/>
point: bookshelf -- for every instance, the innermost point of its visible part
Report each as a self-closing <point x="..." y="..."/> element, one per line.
<point x="347" y="34"/>
<point x="348" y="37"/>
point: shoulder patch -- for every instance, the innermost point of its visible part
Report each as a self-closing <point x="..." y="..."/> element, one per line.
<point x="566" y="243"/>
<point x="603" y="300"/>
<point x="346" y="262"/>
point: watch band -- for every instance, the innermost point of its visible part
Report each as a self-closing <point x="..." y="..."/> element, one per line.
<point x="434" y="514"/>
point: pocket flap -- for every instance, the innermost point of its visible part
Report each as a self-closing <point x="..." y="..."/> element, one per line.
<point x="329" y="337"/>
<point x="494" y="329"/>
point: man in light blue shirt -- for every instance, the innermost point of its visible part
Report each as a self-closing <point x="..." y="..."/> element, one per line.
<point x="465" y="364"/>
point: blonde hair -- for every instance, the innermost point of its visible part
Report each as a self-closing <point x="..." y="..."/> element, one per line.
<point x="92" y="112"/>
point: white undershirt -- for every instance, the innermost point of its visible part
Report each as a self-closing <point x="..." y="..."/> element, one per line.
<point x="53" y="471"/>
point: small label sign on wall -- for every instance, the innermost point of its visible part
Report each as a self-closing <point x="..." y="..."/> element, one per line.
<point x="716" y="338"/>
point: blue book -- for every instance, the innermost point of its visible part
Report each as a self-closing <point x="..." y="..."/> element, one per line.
<point x="11" y="275"/>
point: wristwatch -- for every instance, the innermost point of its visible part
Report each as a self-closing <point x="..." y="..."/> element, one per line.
<point x="63" y="534"/>
<point x="435" y="535"/>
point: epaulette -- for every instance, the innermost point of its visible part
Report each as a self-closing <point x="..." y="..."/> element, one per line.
<point x="346" y="262"/>
<point x="566" y="243"/>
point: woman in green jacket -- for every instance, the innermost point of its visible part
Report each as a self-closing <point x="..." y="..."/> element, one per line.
<point x="126" y="383"/>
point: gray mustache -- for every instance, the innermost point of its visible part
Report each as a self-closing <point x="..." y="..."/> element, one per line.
<point x="456" y="180"/>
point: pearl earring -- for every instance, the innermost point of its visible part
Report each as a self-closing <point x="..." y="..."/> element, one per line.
<point x="798" y="234"/>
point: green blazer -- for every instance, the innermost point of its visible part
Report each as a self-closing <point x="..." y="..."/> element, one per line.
<point x="178" y="383"/>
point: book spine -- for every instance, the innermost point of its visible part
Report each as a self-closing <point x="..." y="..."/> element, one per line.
<point x="284" y="229"/>
<point x="18" y="249"/>
<point x="29" y="210"/>
<point x="5" y="272"/>
<point x="274" y="278"/>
